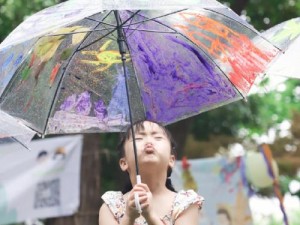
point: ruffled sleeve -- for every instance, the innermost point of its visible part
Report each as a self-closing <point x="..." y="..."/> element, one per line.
<point x="115" y="202"/>
<point x="183" y="200"/>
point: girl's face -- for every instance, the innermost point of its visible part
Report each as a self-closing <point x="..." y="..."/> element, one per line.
<point x="153" y="148"/>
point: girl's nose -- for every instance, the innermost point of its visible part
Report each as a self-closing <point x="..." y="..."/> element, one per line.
<point x="148" y="144"/>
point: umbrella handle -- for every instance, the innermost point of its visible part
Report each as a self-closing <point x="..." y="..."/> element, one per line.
<point x="136" y="196"/>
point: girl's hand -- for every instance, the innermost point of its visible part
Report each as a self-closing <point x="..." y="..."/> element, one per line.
<point x="146" y="201"/>
<point x="143" y="191"/>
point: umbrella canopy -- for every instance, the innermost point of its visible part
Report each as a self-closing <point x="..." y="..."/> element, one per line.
<point x="61" y="70"/>
<point x="285" y="35"/>
<point x="12" y="130"/>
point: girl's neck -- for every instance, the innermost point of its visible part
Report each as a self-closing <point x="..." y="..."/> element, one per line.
<point x="155" y="181"/>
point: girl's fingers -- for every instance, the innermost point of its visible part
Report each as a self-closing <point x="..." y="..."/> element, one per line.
<point x="135" y="188"/>
<point x="140" y="194"/>
<point x="144" y="205"/>
<point x="142" y="200"/>
<point x="141" y="186"/>
<point x="137" y="203"/>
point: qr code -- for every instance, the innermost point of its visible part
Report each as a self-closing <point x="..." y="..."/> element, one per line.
<point x="47" y="194"/>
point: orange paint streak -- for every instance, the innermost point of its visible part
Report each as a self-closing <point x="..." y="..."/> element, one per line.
<point x="227" y="46"/>
<point x="32" y="60"/>
<point x="268" y="153"/>
<point x="53" y="74"/>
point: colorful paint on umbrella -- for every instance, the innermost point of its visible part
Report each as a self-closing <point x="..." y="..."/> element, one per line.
<point x="288" y="32"/>
<point x="104" y="57"/>
<point x="73" y="80"/>
<point x="10" y="61"/>
<point x="184" y="77"/>
<point x="227" y="46"/>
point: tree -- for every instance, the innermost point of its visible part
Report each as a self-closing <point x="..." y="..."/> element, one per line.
<point x="90" y="185"/>
<point x="12" y="13"/>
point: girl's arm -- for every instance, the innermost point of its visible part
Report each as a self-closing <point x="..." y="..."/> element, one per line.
<point x="189" y="216"/>
<point x="106" y="217"/>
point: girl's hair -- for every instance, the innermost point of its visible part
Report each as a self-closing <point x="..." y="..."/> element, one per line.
<point x="139" y="126"/>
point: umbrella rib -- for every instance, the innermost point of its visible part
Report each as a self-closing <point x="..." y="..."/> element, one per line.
<point x="133" y="29"/>
<point x="76" y="32"/>
<point x="88" y="18"/>
<point x="152" y="31"/>
<point x="150" y="19"/>
<point x="98" y="39"/>
<point x="244" y="97"/>
<point x="61" y="78"/>
<point x="110" y="32"/>
<point x="20" y="142"/>
<point x="78" y="49"/>
<point x="153" y="19"/>
<point x="248" y="28"/>
<point x="211" y="59"/>
<point x="101" y="22"/>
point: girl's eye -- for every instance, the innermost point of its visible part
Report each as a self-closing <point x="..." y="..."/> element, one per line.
<point x="138" y="138"/>
<point x="158" y="137"/>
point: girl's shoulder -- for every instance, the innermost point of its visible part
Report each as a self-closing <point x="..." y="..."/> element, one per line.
<point x="115" y="202"/>
<point x="183" y="200"/>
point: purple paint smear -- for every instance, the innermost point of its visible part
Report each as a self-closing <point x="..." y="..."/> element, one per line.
<point x="69" y="104"/>
<point x="118" y="104"/>
<point x="84" y="104"/>
<point x="176" y="80"/>
<point x="100" y="110"/>
<point x="81" y="104"/>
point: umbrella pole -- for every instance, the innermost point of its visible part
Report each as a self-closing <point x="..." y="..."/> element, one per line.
<point x="122" y="49"/>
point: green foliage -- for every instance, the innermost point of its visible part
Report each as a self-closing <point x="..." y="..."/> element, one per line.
<point x="261" y="10"/>
<point x="285" y="182"/>
<point x="12" y="13"/>
<point x="264" y="14"/>
<point x="256" y="116"/>
<point x="293" y="218"/>
<point x="109" y="162"/>
<point x="274" y="107"/>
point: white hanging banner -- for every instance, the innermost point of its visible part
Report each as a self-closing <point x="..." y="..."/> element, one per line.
<point x="219" y="181"/>
<point x="41" y="183"/>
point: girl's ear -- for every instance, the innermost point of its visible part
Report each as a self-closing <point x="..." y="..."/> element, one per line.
<point x="123" y="164"/>
<point x="172" y="161"/>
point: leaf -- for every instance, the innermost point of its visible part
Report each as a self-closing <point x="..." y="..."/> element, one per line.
<point x="77" y="38"/>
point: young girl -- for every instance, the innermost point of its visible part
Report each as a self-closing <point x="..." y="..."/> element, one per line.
<point x="159" y="202"/>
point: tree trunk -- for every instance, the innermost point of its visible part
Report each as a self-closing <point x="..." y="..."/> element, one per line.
<point x="89" y="185"/>
<point x="179" y="132"/>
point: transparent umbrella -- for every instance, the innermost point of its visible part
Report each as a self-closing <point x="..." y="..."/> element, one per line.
<point x="285" y="35"/>
<point x="98" y="66"/>
<point x="13" y="130"/>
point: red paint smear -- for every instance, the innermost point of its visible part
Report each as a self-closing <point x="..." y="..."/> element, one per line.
<point x="185" y="164"/>
<point x="54" y="73"/>
<point x="246" y="61"/>
<point x="32" y="60"/>
<point x="229" y="47"/>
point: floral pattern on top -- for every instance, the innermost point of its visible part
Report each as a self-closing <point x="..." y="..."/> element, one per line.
<point x="183" y="200"/>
